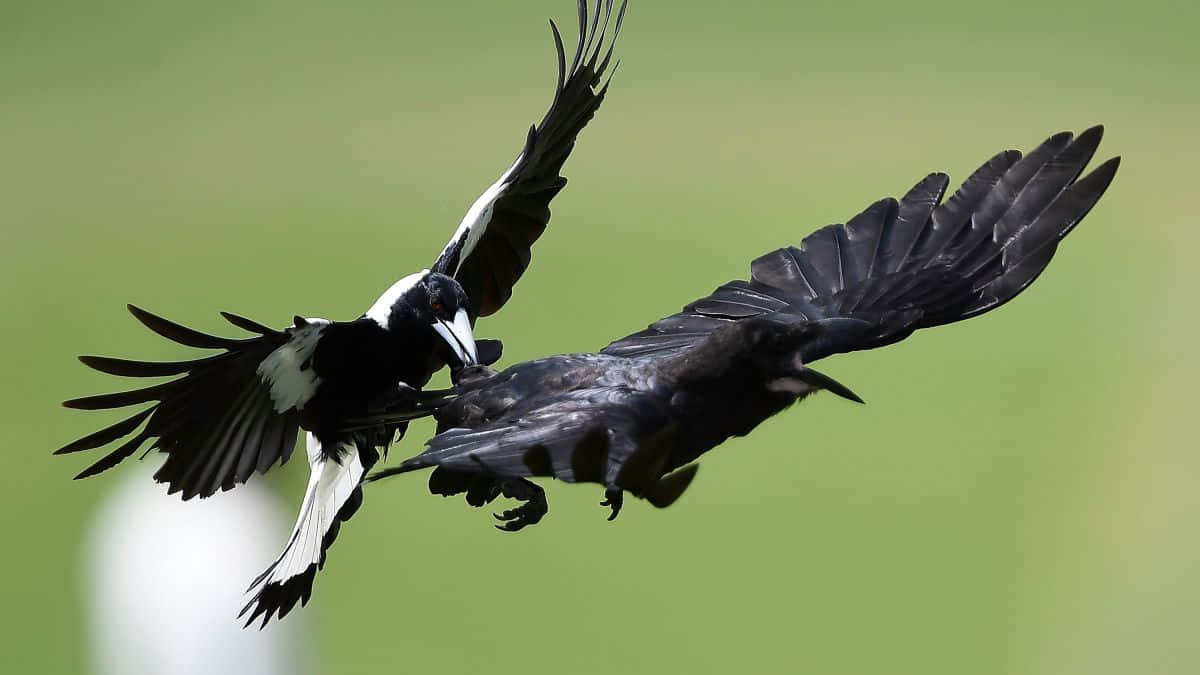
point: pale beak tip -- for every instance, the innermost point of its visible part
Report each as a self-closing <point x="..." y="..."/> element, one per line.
<point x="459" y="337"/>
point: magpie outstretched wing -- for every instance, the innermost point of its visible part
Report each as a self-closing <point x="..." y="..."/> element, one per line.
<point x="491" y="247"/>
<point x="218" y="423"/>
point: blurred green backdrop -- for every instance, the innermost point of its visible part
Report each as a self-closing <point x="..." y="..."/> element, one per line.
<point x="1019" y="496"/>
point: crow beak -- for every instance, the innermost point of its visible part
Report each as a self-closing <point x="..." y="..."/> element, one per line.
<point x="823" y="381"/>
<point x="457" y="334"/>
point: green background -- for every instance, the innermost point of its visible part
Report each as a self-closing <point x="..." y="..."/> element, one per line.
<point x="1020" y="495"/>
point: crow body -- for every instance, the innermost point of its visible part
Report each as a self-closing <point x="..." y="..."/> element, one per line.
<point x="636" y="416"/>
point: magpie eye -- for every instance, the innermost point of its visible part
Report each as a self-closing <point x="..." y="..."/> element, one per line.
<point x="438" y="308"/>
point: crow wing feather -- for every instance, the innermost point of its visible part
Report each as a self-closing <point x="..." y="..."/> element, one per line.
<point x="911" y="263"/>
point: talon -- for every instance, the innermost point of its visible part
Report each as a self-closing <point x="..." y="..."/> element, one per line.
<point x="512" y="525"/>
<point x="528" y="513"/>
<point x="614" y="498"/>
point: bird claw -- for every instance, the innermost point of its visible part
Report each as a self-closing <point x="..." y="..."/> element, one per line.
<point x="614" y="498"/>
<point x="529" y="513"/>
<point x="520" y="517"/>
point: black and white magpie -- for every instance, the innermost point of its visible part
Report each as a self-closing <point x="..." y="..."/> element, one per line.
<point x="635" y="416"/>
<point x="238" y="411"/>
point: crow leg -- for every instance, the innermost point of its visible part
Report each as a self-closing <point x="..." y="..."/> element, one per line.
<point x="528" y="513"/>
<point x="614" y="498"/>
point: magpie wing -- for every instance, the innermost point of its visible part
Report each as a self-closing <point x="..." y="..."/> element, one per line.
<point x="912" y="263"/>
<point x="491" y="247"/>
<point x="225" y="417"/>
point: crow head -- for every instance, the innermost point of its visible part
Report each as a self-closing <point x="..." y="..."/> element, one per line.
<point x="774" y="347"/>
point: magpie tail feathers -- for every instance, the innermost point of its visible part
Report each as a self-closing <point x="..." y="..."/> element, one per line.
<point x="215" y="421"/>
<point x="334" y="494"/>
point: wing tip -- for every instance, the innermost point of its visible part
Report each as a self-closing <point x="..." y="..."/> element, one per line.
<point x="139" y="313"/>
<point x="78" y="403"/>
<point x="1099" y="179"/>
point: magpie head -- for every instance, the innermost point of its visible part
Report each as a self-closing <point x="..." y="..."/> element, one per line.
<point x="430" y="301"/>
<point x="444" y="308"/>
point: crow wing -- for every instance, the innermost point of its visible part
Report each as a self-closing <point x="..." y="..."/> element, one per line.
<point x="602" y="432"/>
<point x="491" y="247"/>
<point x="912" y="263"/>
<point x="613" y="437"/>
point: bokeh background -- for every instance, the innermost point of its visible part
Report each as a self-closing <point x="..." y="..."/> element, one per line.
<point x="1020" y="494"/>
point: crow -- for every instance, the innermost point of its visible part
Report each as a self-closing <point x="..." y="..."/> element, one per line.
<point x="636" y="416"/>
<point x="238" y="411"/>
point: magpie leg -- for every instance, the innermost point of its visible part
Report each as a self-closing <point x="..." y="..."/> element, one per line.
<point x="614" y="498"/>
<point x="526" y="514"/>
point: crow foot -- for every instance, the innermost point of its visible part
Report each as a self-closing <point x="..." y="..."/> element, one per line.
<point x="613" y="498"/>
<point x="530" y="512"/>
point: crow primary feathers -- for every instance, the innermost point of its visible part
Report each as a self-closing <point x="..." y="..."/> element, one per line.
<point x="635" y="417"/>
<point x="233" y="413"/>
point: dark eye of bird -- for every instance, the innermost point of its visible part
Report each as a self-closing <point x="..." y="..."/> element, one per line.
<point x="436" y="305"/>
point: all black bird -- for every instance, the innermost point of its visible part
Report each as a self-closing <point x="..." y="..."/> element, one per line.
<point x="238" y="411"/>
<point x="635" y="417"/>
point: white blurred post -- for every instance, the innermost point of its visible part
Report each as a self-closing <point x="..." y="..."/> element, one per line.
<point x="165" y="580"/>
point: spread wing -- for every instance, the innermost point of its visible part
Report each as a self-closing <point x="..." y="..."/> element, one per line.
<point x="909" y="264"/>
<point x="225" y="417"/>
<point x="491" y="247"/>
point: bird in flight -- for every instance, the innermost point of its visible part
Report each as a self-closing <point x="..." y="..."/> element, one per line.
<point x="636" y="416"/>
<point x="238" y="411"/>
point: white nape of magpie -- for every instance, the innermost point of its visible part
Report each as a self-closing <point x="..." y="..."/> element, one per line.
<point x="238" y="411"/>
<point x="636" y="416"/>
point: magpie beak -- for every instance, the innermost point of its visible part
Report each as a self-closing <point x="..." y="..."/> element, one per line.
<point x="458" y="335"/>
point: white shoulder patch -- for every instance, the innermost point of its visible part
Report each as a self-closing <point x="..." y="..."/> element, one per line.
<point x="288" y="370"/>
<point x="474" y="223"/>
<point x="383" y="306"/>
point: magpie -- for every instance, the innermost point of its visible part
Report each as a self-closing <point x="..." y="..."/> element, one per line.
<point x="636" y="416"/>
<point x="238" y="411"/>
